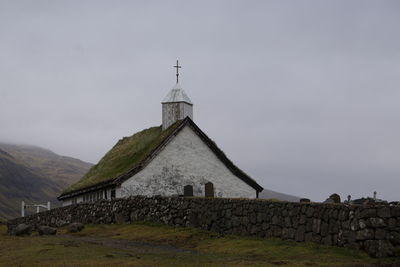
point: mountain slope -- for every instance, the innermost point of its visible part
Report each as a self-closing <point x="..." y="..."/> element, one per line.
<point x="34" y="175"/>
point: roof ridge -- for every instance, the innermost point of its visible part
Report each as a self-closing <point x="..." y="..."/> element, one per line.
<point x="175" y="129"/>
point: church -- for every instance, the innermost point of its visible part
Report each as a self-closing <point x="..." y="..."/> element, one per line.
<point x="174" y="159"/>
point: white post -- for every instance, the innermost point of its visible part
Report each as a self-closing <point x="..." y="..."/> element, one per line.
<point x="22" y="209"/>
<point x="37" y="209"/>
<point x="48" y="205"/>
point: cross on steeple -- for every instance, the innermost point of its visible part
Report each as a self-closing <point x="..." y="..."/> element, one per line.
<point x="177" y="71"/>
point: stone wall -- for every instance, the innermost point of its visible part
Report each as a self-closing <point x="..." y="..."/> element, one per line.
<point x="375" y="229"/>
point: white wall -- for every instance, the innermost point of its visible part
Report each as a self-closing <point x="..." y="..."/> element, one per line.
<point x="186" y="160"/>
<point x="172" y="112"/>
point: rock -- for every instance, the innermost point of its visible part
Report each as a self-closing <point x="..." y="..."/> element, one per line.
<point x="365" y="234"/>
<point x="75" y="227"/>
<point x="23" y="229"/>
<point x="46" y="230"/>
<point x="300" y="233"/>
<point x="310" y="212"/>
<point x="395" y="211"/>
<point x="384" y="212"/>
<point x="378" y="248"/>
<point x="120" y="218"/>
<point x="324" y="229"/>
<point x="367" y="213"/>
<point x="394" y="238"/>
<point x="343" y="215"/>
<point x="335" y="197"/>
<point x="380" y="234"/>
<point x="376" y="222"/>
<point x="316" y="226"/>
<point x="362" y="224"/>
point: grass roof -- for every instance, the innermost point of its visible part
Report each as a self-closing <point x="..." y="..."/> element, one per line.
<point x="127" y="154"/>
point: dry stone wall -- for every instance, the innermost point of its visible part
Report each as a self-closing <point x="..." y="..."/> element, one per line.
<point x="375" y="229"/>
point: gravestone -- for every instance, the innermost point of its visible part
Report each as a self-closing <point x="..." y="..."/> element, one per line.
<point x="188" y="191"/>
<point x="209" y="189"/>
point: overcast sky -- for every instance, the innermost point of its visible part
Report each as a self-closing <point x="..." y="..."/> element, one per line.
<point x="302" y="95"/>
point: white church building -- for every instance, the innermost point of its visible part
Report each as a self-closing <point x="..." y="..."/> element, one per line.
<point x="174" y="159"/>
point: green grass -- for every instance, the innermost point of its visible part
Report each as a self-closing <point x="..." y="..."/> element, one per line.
<point x="124" y="156"/>
<point x="160" y="245"/>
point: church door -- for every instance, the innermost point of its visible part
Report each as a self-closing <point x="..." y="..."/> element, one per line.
<point x="209" y="189"/>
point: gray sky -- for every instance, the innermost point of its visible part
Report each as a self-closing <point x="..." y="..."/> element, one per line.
<point x="302" y="95"/>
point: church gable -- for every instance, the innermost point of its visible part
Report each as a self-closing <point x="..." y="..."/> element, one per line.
<point x="186" y="161"/>
<point x="172" y="159"/>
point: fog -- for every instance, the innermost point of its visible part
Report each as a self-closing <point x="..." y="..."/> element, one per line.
<point x="302" y="95"/>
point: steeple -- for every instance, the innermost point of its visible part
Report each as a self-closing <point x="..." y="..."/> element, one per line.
<point x="176" y="105"/>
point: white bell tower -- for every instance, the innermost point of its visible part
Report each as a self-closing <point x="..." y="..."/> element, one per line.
<point x="176" y="105"/>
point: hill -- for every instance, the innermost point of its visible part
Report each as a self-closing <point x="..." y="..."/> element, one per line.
<point x="269" y="194"/>
<point x="34" y="174"/>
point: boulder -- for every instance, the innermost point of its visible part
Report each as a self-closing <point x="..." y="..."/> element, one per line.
<point x="335" y="197"/>
<point x="46" y="230"/>
<point x="378" y="248"/>
<point x="75" y="227"/>
<point x="23" y="229"/>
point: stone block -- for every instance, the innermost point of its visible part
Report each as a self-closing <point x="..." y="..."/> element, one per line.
<point x="383" y="212"/>
<point x="299" y="237"/>
<point x="365" y="234"/>
<point x="324" y="229"/>
<point x="394" y="238"/>
<point x="378" y="248"/>
<point x="380" y="234"/>
<point x="343" y="215"/>
<point x="316" y="226"/>
<point x="367" y="213"/>
<point x="395" y="211"/>
<point x="375" y="222"/>
<point x="310" y="212"/>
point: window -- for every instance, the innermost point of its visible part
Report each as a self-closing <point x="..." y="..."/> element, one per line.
<point x="112" y="193"/>
<point x="209" y="189"/>
<point x="105" y="193"/>
<point x="188" y="191"/>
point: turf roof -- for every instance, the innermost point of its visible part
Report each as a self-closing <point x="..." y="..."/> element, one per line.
<point x="127" y="154"/>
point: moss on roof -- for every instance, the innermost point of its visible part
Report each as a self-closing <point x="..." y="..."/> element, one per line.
<point x="127" y="154"/>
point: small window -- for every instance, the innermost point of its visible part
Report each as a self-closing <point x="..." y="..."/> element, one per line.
<point x="188" y="191"/>
<point x="209" y="189"/>
<point x="105" y="193"/>
<point x="112" y="193"/>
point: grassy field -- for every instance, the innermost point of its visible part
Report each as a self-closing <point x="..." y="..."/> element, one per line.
<point x="158" y="245"/>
